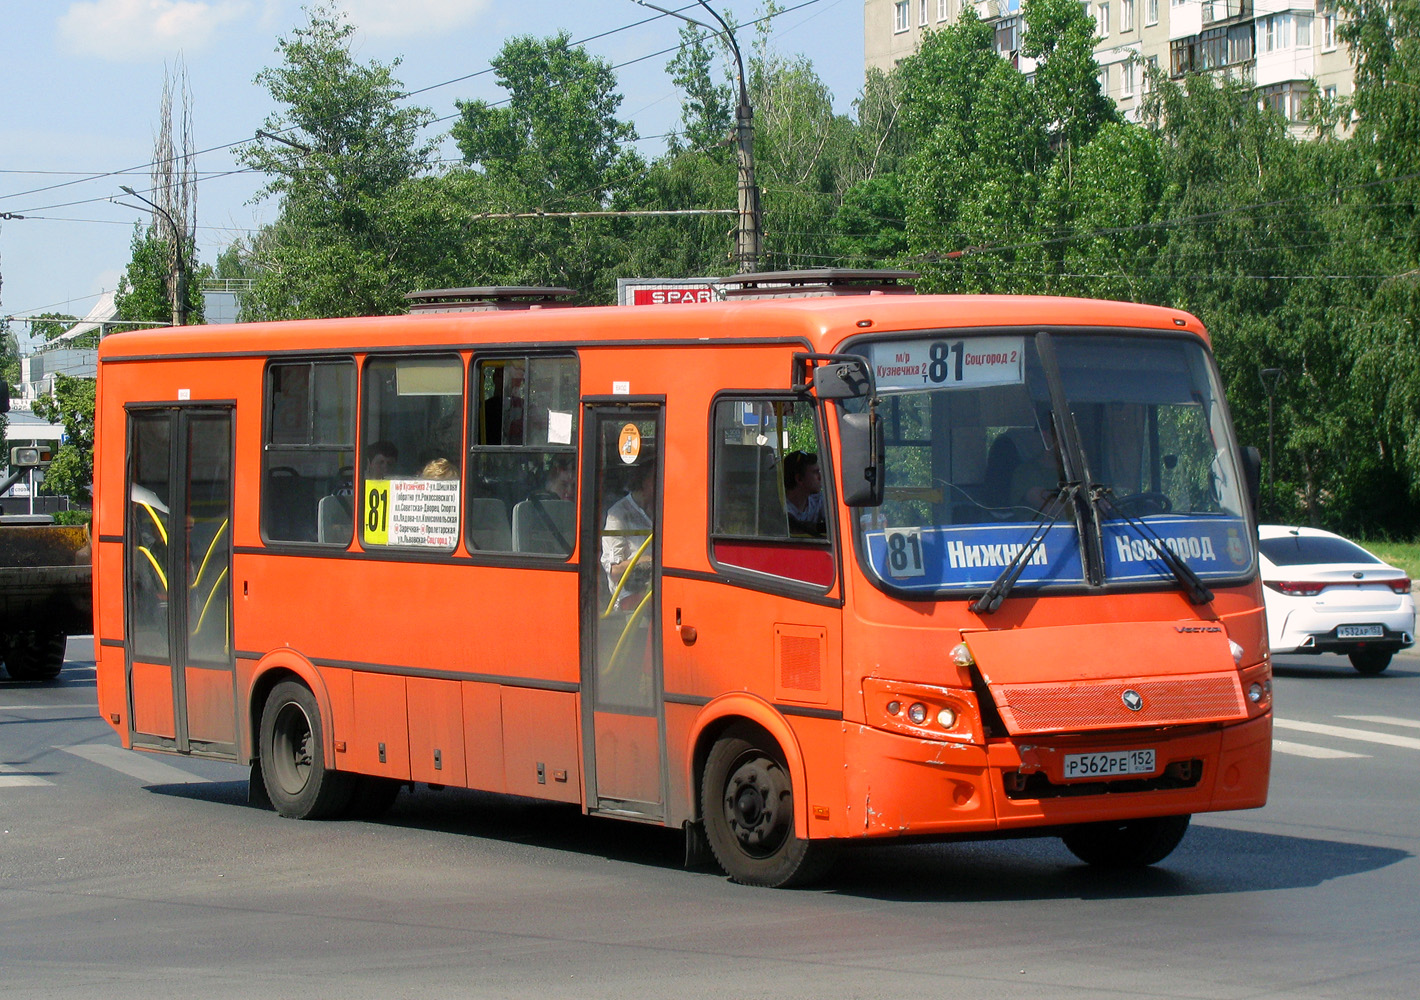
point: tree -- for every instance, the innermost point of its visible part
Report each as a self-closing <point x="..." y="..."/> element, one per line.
<point x="71" y="404"/>
<point x="707" y="111"/>
<point x="344" y="146"/>
<point x="142" y="294"/>
<point x="557" y="144"/>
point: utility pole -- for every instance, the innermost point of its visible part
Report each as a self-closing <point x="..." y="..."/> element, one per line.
<point x="748" y="235"/>
<point x="177" y="281"/>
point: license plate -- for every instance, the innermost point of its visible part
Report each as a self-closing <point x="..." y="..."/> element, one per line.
<point x="1108" y="765"/>
<point x="1360" y="631"/>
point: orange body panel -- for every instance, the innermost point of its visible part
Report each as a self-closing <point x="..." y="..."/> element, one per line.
<point x="479" y="658"/>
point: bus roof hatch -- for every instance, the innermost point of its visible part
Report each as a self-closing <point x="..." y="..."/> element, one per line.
<point x="490" y="298"/>
<point x="816" y="282"/>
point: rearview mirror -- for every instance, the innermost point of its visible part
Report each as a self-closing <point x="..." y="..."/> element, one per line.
<point x="833" y="376"/>
<point x="861" y="472"/>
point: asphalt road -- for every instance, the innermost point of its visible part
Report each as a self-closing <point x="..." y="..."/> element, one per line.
<point x="127" y="875"/>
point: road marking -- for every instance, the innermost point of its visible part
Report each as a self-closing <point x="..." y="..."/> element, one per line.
<point x="135" y="765"/>
<point x="1383" y="720"/>
<point x="11" y="777"/>
<point x="47" y="708"/>
<point x="1319" y="753"/>
<point x="1347" y="733"/>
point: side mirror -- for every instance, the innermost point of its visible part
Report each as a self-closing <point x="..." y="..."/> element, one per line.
<point x="1252" y="475"/>
<point x="833" y="376"/>
<point x="861" y="473"/>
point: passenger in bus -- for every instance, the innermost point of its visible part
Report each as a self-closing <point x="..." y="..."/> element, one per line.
<point x="803" y="494"/>
<point x="628" y="525"/>
<point x="380" y="459"/>
<point x="439" y="468"/>
<point x="560" y="482"/>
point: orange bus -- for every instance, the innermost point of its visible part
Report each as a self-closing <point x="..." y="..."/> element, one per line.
<point x="825" y="561"/>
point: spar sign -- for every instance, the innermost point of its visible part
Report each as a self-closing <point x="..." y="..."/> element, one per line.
<point x="666" y="291"/>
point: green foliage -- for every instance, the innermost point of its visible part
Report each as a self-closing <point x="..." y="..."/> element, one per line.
<point x="348" y="147"/>
<point x="72" y="404"/>
<point x="143" y="293"/>
<point x="47" y="326"/>
<point x="557" y="144"/>
<point x="707" y="111"/>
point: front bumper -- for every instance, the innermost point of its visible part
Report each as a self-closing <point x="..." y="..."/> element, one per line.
<point x="900" y="786"/>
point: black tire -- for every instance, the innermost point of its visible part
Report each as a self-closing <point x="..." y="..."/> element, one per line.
<point x="372" y="796"/>
<point x="35" y="656"/>
<point x="747" y="799"/>
<point x="293" y="767"/>
<point x="1370" y="661"/>
<point x="1134" y="843"/>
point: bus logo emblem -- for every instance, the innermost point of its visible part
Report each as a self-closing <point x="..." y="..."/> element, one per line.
<point x="1133" y="700"/>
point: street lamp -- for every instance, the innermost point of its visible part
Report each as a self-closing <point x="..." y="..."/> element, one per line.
<point x="179" y="277"/>
<point x="1271" y="378"/>
<point x="748" y="238"/>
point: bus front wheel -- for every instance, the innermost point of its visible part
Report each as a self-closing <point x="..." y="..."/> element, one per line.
<point x="1133" y="843"/>
<point x="293" y="766"/>
<point x="748" y="805"/>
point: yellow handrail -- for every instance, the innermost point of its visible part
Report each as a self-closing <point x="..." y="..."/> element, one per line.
<point x="625" y="576"/>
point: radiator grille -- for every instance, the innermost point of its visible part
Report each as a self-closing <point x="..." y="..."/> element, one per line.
<point x="1088" y="705"/>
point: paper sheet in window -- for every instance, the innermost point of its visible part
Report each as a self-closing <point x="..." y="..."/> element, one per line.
<point x="559" y="427"/>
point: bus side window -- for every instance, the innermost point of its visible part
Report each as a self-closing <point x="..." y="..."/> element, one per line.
<point x="309" y="447"/>
<point x="522" y="461"/>
<point x="412" y="427"/>
<point x="770" y="514"/>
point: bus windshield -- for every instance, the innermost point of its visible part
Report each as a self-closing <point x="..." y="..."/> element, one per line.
<point x="1107" y="446"/>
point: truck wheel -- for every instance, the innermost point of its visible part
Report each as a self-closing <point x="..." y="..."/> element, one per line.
<point x="293" y="766"/>
<point x="35" y="656"/>
<point x="747" y="799"/>
<point x="1370" y="661"/>
<point x="1134" y="843"/>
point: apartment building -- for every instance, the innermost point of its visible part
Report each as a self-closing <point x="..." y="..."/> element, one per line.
<point x="1281" y="46"/>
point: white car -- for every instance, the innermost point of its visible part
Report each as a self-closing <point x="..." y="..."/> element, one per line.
<point x="1325" y="594"/>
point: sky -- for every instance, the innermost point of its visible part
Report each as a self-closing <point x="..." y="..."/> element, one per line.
<point x="81" y="82"/>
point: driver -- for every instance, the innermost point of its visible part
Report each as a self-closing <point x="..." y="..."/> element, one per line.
<point x="1035" y="483"/>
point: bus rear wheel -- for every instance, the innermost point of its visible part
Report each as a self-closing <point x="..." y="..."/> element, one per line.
<point x="293" y="767"/>
<point x="1133" y="843"/>
<point x="34" y="655"/>
<point x="748" y="804"/>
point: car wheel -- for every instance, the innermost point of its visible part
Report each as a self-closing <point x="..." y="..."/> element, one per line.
<point x="1370" y="661"/>
<point x="1134" y="843"/>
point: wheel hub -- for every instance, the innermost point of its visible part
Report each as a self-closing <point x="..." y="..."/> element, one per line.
<point x="757" y="805"/>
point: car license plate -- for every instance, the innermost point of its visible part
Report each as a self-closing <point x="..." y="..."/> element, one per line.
<point x="1360" y="631"/>
<point x="1108" y="765"/>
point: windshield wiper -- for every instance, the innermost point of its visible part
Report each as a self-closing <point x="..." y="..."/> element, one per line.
<point x="1192" y="583"/>
<point x="998" y="591"/>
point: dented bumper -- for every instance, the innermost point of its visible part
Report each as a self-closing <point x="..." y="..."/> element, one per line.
<point x="900" y="786"/>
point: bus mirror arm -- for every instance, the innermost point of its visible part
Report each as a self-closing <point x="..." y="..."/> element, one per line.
<point x="861" y="473"/>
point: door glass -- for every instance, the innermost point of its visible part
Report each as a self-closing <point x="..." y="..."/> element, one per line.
<point x="207" y="565"/>
<point x="626" y="503"/>
<point x="149" y="528"/>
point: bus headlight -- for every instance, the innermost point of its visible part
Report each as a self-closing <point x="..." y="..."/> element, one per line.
<point x="922" y="710"/>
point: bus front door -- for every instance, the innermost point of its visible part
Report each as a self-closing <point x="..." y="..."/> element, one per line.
<point x="623" y="717"/>
<point x="177" y="566"/>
